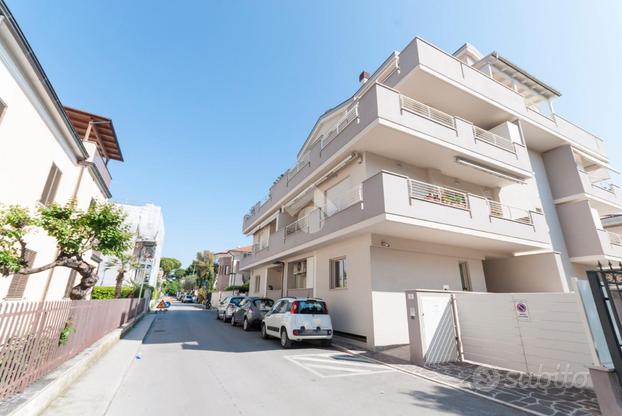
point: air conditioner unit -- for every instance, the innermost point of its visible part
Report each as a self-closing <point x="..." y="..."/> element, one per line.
<point x="300" y="267"/>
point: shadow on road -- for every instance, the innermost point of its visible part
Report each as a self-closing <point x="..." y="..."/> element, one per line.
<point x="198" y="329"/>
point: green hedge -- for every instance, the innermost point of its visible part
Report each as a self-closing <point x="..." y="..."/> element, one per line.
<point x="107" y="292"/>
<point x="240" y="288"/>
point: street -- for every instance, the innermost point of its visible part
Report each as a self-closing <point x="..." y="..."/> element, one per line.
<point x="192" y="364"/>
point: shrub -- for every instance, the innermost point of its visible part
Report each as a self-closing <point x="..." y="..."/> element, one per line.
<point x="239" y="288"/>
<point x="107" y="292"/>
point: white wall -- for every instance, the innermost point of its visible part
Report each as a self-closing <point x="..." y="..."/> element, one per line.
<point x="530" y="273"/>
<point x="410" y="264"/>
<point x="32" y="137"/>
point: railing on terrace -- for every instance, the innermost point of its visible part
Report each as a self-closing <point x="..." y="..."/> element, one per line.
<point x="303" y="224"/>
<point x="257" y="247"/>
<point x="31" y="345"/>
<point x="507" y="212"/>
<point x="345" y="200"/>
<point x="615" y="238"/>
<point x="606" y="186"/>
<point x="494" y="139"/>
<point x="339" y="126"/>
<point x="426" y="111"/>
<point x="304" y="161"/>
<point x="438" y="194"/>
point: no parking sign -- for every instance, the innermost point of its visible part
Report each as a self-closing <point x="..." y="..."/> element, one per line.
<point x="522" y="312"/>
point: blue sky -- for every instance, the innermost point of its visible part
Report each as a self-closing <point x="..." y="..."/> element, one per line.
<point x="211" y="100"/>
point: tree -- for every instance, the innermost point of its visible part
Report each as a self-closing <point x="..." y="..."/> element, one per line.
<point x="179" y="273"/>
<point x="168" y="264"/>
<point x="124" y="263"/>
<point x="189" y="283"/>
<point x="203" y="267"/>
<point x="100" y="228"/>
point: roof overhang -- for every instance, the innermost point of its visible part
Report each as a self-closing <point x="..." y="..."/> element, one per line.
<point x="97" y="129"/>
<point x="513" y="71"/>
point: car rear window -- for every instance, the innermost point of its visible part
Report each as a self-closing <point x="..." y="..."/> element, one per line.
<point x="314" y="307"/>
<point x="236" y="301"/>
<point x="263" y="303"/>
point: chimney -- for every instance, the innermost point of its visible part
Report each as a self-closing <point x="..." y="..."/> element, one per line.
<point x="363" y="77"/>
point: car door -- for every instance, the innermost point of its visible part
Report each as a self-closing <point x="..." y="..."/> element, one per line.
<point x="272" y="318"/>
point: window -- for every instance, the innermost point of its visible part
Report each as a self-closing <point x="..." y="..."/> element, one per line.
<point x="51" y="185"/>
<point x="465" y="277"/>
<point x="338" y="274"/>
<point x="19" y="281"/>
<point x="257" y="283"/>
<point x="71" y="280"/>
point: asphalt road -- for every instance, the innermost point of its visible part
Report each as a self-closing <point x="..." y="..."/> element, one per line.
<point x="192" y="364"/>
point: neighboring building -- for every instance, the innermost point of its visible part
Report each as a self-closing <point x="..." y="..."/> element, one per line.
<point x="229" y="272"/>
<point x="441" y="172"/>
<point x="48" y="153"/>
<point x="146" y="223"/>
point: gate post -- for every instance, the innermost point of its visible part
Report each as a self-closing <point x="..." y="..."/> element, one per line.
<point x="414" y="328"/>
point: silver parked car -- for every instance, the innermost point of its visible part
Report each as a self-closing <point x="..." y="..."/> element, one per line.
<point x="250" y="312"/>
<point x="226" y="307"/>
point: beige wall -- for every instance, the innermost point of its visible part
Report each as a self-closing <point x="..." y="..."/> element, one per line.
<point x="350" y="308"/>
<point x="409" y="264"/>
<point x="531" y="273"/>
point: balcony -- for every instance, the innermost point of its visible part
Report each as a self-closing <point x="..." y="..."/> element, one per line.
<point x="398" y="127"/>
<point x="392" y="204"/>
<point x="96" y="162"/>
<point x="586" y="239"/>
<point x="569" y="181"/>
<point x="477" y="96"/>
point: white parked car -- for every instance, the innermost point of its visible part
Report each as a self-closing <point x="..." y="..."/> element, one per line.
<point x="298" y="319"/>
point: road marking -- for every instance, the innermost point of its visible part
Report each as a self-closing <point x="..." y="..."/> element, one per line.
<point x="338" y="364"/>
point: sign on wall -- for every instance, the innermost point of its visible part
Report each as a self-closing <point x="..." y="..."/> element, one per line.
<point x="522" y="312"/>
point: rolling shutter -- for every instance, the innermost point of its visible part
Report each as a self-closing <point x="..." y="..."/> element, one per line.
<point x="19" y="281"/>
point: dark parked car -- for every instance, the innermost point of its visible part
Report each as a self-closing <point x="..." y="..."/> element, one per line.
<point x="250" y="312"/>
<point x="226" y="307"/>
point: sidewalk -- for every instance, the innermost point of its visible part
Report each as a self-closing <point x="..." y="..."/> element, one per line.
<point x="539" y="398"/>
<point x="93" y="392"/>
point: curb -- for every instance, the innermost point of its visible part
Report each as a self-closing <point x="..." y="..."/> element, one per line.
<point x="38" y="396"/>
<point x="410" y="373"/>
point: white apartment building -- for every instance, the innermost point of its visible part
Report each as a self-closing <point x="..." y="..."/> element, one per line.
<point x="146" y="224"/>
<point x="442" y="171"/>
<point x="48" y="153"/>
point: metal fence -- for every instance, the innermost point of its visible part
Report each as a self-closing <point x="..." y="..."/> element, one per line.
<point x="37" y="337"/>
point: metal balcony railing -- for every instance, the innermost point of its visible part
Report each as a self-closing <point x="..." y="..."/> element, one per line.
<point x="494" y="139"/>
<point x="339" y="126"/>
<point x="438" y="194"/>
<point x="257" y="247"/>
<point x="506" y="212"/>
<point x="615" y="238"/>
<point x="605" y="186"/>
<point x="343" y="201"/>
<point x="300" y="165"/>
<point x="303" y="224"/>
<point x="426" y="111"/>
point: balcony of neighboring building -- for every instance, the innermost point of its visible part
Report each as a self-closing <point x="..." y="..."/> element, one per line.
<point x="572" y="176"/>
<point x="387" y="122"/>
<point x="589" y="238"/>
<point x="488" y="90"/>
<point x="393" y="204"/>
<point x="96" y="162"/>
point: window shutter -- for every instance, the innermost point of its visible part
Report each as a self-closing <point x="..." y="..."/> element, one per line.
<point x="71" y="280"/>
<point x="51" y="185"/>
<point x="19" y="281"/>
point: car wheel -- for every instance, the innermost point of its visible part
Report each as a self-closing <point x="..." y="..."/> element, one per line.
<point x="285" y="341"/>
<point x="326" y="342"/>
<point x="245" y="325"/>
<point x="232" y="320"/>
<point x="264" y="334"/>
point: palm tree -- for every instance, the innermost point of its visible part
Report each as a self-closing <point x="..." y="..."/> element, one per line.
<point x="123" y="263"/>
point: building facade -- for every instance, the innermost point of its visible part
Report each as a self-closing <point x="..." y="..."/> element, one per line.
<point x="48" y="153"/>
<point x="442" y="171"/>
<point x="229" y="272"/>
<point x="146" y="224"/>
